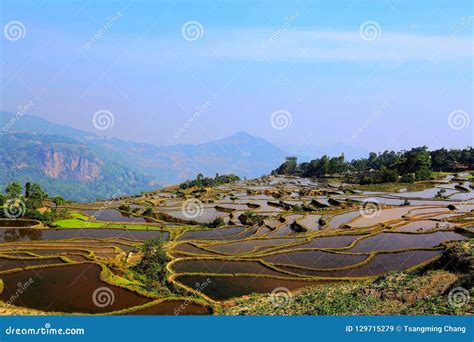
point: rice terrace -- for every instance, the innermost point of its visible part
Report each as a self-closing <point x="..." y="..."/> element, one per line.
<point x="279" y="244"/>
<point x="239" y="171"/>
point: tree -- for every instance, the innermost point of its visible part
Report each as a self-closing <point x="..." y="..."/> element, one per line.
<point x="124" y="207"/>
<point x="37" y="192"/>
<point x="148" y="211"/>
<point x="27" y="189"/>
<point x="289" y="167"/>
<point x="59" y="200"/>
<point x="417" y="161"/>
<point x="407" y="178"/>
<point x="153" y="263"/>
<point x="13" y="190"/>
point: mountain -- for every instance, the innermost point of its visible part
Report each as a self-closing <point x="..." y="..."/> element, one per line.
<point x="64" y="166"/>
<point x="83" y="166"/>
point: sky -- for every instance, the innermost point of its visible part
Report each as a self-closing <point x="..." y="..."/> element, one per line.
<point x="372" y="75"/>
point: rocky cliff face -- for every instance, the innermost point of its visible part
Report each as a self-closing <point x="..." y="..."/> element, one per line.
<point x="67" y="167"/>
<point x="70" y="165"/>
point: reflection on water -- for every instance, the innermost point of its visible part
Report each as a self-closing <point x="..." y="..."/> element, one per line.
<point x="33" y="234"/>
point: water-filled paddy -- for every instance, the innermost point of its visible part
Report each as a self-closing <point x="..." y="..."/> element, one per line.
<point x="383" y="216"/>
<point x="382" y="263"/>
<point x="341" y="219"/>
<point x="33" y="234"/>
<point x="249" y="245"/>
<point x="188" y="248"/>
<point x="336" y="241"/>
<point x="422" y="226"/>
<point x="48" y="287"/>
<point x="395" y="241"/>
<point x="222" y="288"/>
<point x="112" y="215"/>
<point x="315" y="259"/>
<point x="212" y="233"/>
<point x="9" y="264"/>
<point x="223" y="267"/>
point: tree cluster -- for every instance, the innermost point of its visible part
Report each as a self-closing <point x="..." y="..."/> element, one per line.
<point x="202" y="181"/>
<point x="389" y="166"/>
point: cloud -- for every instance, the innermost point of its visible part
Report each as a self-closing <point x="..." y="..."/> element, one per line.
<point x="331" y="46"/>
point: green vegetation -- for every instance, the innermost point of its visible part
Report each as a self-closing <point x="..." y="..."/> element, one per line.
<point x="152" y="266"/>
<point x="77" y="223"/>
<point x="397" y="293"/>
<point x="124" y="207"/>
<point x="249" y="218"/>
<point x="27" y="204"/>
<point x="389" y="166"/>
<point x="217" y="222"/>
<point x="202" y="181"/>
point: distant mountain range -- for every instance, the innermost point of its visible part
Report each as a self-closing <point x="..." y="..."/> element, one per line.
<point x="84" y="166"/>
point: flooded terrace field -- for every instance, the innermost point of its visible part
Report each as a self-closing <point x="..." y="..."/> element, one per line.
<point x="297" y="233"/>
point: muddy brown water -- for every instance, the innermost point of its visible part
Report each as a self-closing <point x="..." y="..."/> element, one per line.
<point x="9" y="264"/>
<point x="222" y="288"/>
<point x="32" y="234"/>
<point x="6" y="223"/>
<point x="67" y="289"/>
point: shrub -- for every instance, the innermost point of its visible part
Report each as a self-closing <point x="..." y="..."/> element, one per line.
<point x="217" y="222"/>
<point x="153" y="263"/>
<point x="407" y="178"/>
<point x="124" y="207"/>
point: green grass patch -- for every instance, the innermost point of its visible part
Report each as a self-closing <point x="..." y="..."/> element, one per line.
<point x="77" y="215"/>
<point x="76" y="223"/>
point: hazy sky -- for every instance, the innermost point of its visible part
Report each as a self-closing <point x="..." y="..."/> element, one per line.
<point x="373" y="74"/>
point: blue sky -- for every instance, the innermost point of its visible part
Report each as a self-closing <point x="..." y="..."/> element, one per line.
<point x="372" y="75"/>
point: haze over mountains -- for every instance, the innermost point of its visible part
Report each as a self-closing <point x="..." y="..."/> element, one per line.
<point x="84" y="166"/>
